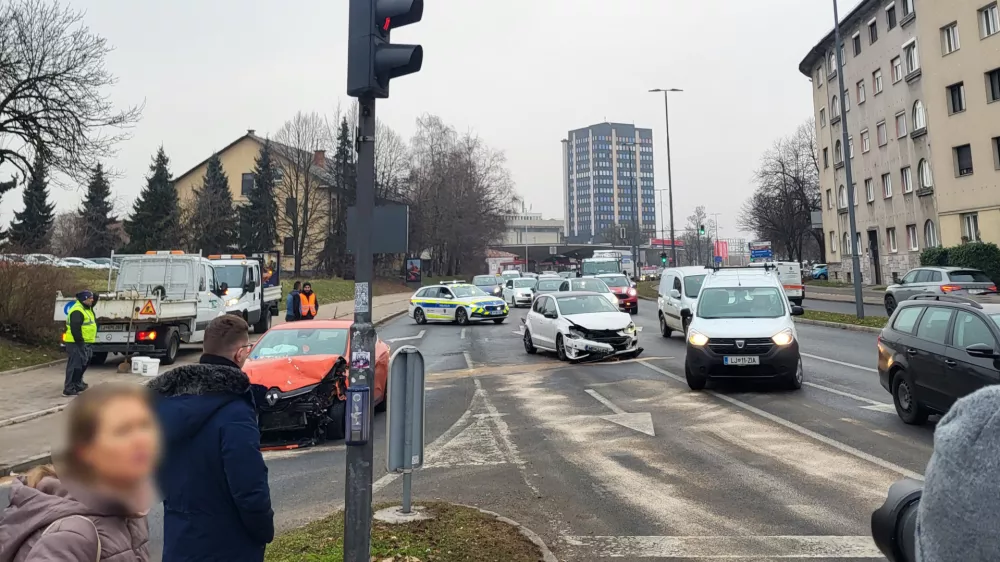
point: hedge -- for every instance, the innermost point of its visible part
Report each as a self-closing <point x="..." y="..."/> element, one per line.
<point x="975" y="255"/>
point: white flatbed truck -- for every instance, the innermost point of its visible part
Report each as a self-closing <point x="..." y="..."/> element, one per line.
<point x="251" y="286"/>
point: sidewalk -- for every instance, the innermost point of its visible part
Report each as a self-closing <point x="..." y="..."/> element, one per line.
<point x="843" y="294"/>
<point x="33" y="399"/>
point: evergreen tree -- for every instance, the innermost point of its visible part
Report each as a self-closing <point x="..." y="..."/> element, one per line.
<point x="155" y="220"/>
<point x="213" y="222"/>
<point x="96" y="217"/>
<point x="31" y="229"/>
<point x="334" y="258"/>
<point x="258" y="218"/>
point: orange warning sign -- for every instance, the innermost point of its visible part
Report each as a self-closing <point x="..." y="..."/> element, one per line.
<point x="148" y="308"/>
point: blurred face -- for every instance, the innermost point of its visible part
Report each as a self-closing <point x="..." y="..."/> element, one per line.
<point x="89" y="301"/>
<point x="125" y="449"/>
<point x="307" y="289"/>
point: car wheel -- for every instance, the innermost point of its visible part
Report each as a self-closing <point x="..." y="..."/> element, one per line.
<point x="98" y="358"/>
<point x="797" y="302"/>
<point x="890" y="304"/>
<point x="173" y="348"/>
<point x="694" y="381"/>
<point x="264" y="324"/>
<point x="418" y="316"/>
<point x="794" y="382"/>
<point x="336" y="425"/>
<point x="462" y="317"/>
<point x="685" y="324"/>
<point x="381" y="406"/>
<point x="561" y="349"/>
<point x="498" y="320"/>
<point x="910" y="410"/>
<point x="665" y="330"/>
<point x="529" y="347"/>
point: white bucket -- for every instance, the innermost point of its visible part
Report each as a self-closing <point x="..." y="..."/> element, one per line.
<point x="150" y="367"/>
<point x="137" y="364"/>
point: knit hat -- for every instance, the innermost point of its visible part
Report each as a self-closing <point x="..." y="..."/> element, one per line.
<point x="958" y="518"/>
<point x="84" y="295"/>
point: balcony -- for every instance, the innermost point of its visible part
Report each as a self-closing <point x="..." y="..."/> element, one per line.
<point x="925" y="191"/>
<point x="918" y="133"/>
<point x="911" y="77"/>
<point x="907" y="19"/>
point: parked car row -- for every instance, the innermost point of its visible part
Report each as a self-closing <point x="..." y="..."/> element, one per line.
<point x="49" y="259"/>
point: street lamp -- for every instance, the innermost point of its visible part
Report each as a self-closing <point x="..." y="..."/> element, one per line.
<point x="670" y="180"/>
<point x="635" y="205"/>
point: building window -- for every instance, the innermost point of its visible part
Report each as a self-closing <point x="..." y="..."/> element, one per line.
<point x="842" y="197"/>
<point x="890" y="16"/>
<point x="822" y="117"/>
<point x="993" y="85"/>
<point x="819" y="76"/>
<point x="866" y="141"/>
<point x="912" y="57"/>
<point x="890" y="236"/>
<point x="833" y="242"/>
<point x="850" y="146"/>
<point x="911" y="238"/>
<point x="887" y="185"/>
<point x="949" y="39"/>
<point x="996" y="152"/>
<point x="857" y="44"/>
<point x="930" y="234"/>
<point x="901" y="125"/>
<point x="897" y="69"/>
<point x="907" y="179"/>
<point x="989" y="20"/>
<point x="956" y="98"/>
<point x="291" y="209"/>
<point x="861" y="92"/>
<point x="843" y="57"/>
<point x="289" y="246"/>
<point x="847" y="101"/>
<point x="838" y="153"/>
<point x="829" y="199"/>
<point x="872" y="32"/>
<point x="926" y="179"/>
<point x="870" y="189"/>
<point x="970" y="227"/>
<point x="877" y="81"/>
<point x="847" y="244"/>
<point x="835" y="107"/>
<point x="826" y="157"/>
<point x="907" y="7"/>
<point x="882" y="133"/>
<point x="919" y="119"/>
<point x="833" y="62"/>
<point x="963" y="160"/>
<point x="854" y="193"/>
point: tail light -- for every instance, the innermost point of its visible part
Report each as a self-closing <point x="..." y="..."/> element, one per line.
<point x="950" y="288"/>
<point x="992" y="288"/>
<point x="147" y="336"/>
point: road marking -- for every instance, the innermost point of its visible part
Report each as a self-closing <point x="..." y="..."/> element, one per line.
<point x="468" y="359"/>
<point x="884" y="408"/>
<point x="33" y="415"/>
<point x="640" y="421"/>
<point x="463" y="334"/>
<point x="504" y="430"/>
<point x="845" y="364"/>
<point x="872" y="404"/>
<point x="741" y="547"/>
<point x="798" y="428"/>
<point x="408" y="338"/>
<point x="604" y="401"/>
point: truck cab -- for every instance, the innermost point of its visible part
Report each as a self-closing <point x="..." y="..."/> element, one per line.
<point x="249" y="288"/>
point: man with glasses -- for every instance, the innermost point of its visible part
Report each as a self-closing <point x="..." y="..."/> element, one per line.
<point x="216" y="500"/>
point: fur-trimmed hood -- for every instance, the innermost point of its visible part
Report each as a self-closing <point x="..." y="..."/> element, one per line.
<point x="188" y="396"/>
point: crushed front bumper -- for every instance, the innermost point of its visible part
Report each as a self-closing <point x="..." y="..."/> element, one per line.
<point x="578" y="349"/>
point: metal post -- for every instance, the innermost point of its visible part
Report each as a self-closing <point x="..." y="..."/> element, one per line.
<point x="358" y="494"/>
<point x="715" y="243"/>
<point x="670" y="179"/>
<point x="846" y="150"/>
<point x="408" y="437"/>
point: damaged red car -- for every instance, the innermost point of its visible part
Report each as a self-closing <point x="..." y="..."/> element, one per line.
<point x="299" y="373"/>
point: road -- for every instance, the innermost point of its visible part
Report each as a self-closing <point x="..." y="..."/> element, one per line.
<point x="622" y="461"/>
<point x="841" y="307"/>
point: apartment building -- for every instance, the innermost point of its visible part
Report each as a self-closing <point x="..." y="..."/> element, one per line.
<point x="921" y="77"/>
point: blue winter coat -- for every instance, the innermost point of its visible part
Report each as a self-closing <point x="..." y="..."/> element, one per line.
<point x="217" y="504"/>
<point x="292" y="306"/>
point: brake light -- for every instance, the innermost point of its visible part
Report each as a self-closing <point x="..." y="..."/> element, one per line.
<point x="992" y="289"/>
<point x="950" y="288"/>
<point x="147" y="336"/>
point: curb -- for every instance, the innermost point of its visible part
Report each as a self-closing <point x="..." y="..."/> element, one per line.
<point x="831" y="297"/>
<point x="838" y="325"/>
<point x="527" y="533"/>
<point x="32" y="368"/>
<point x="46" y="458"/>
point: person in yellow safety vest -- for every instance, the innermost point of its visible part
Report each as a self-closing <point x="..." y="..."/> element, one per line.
<point x="80" y="334"/>
<point x="307" y="303"/>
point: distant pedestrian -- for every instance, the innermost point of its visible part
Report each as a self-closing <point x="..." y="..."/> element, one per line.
<point x="292" y="304"/>
<point x="80" y="335"/>
<point x="308" y="308"/>
<point x="216" y="500"/>
<point x="92" y="504"/>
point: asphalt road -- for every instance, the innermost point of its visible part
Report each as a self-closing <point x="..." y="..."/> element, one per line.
<point x="842" y="307"/>
<point x="621" y="460"/>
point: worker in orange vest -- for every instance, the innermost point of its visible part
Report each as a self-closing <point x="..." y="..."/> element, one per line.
<point x="307" y="303"/>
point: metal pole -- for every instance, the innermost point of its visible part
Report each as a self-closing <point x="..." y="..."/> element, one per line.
<point x="635" y="198"/>
<point x="358" y="495"/>
<point x="526" y="247"/>
<point x="715" y="243"/>
<point x="408" y="437"/>
<point x="846" y="151"/>
<point x="670" y="180"/>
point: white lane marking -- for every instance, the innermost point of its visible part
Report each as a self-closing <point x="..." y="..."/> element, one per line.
<point x="871" y="403"/>
<point x="845" y="364"/>
<point x="884" y="408"/>
<point x="504" y="432"/>
<point x="468" y="359"/>
<point x="798" y="428"/>
<point x="604" y="401"/>
<point x="742" y="547"/>
<point x="408" y="338"/>
<point x="462" y="337"/>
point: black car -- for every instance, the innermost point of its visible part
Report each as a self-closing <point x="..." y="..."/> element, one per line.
<point x="936" y="349"/>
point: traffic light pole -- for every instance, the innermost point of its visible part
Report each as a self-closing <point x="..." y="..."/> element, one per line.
<point x="358" y="493"/>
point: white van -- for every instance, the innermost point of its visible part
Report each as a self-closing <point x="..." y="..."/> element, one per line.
<point x="790" y="273"/>
<point x="677" y="297"/>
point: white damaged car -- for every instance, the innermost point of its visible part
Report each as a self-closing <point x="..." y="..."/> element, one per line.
<point x="579" y="325"/>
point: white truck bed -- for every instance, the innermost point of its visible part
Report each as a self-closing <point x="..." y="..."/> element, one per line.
<point x="132" y="306"/>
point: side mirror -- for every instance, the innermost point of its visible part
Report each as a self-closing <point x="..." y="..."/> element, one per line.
<point x="251" y="286"/>
<point x="675" y="294"/>
<point x="633" y="285"/>
<point x="551" y="315"/>
<point x="798" y="311"/>
<point x="981" y="350"/>
<point x="902" y="281"/>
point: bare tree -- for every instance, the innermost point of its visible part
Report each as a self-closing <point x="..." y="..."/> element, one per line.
<point x="69" y="235"/>
<point x="52" y="91"/>
<point x="303" y="192"/>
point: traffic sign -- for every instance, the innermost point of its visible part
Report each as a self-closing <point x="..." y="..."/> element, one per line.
<point x="148" y="309"/>
<point x="718" y="259"/>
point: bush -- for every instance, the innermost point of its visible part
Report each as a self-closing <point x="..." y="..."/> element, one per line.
<point x="975" y="255"/>
<point x="27" y="300"/>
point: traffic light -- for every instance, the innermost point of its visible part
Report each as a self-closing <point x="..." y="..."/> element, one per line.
<point x="701" y="229"/>
<point x="663" y="258"/>
<point x="371" y="59"/>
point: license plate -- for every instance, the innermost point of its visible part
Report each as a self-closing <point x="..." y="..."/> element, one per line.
<point x="112" y="327"/>
<point x="115" y="337"/>
<point x="741" y="360"/>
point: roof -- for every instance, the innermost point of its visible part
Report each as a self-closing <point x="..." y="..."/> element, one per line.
<point x="314" y="324"/>
<point x="741" y="278"/>
<point x="576" y="294"/>
<point x="818" y="53"/>
<point x="688" y="269"/>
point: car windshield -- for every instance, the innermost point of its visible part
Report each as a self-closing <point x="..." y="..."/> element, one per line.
<point x="741" y="302"/>
<point x="484" y="280"/>
<point x="692" y="284"/>
<point x="462" y="291"/>
<point x="549" y="284"/>
<point x="594" y="285"/>
<point x="524" y="283"/>
<point x="231" y="275"/>
<point x="306" y="341"/>
<point x="970" y="276"/>
<point x="995" y="318"/>
<point x="584" y="304"/>
<point x="616" y="281"/>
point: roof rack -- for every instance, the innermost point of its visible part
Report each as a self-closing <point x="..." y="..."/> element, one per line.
<point x="766" y="267"/>
<point x="947" y="298"/>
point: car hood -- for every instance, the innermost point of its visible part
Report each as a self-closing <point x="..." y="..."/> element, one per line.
<point x="289" y="373"/>
<point x="484" y="301"/>
<point x="740" y="327"/>
<point x="600" y="320"/>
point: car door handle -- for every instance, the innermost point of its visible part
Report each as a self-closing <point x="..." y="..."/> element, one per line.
<point x="911" y="351"/>
<point x="950" y="362"/>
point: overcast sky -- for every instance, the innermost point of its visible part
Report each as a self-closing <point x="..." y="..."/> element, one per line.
<point x="520" y="73"/>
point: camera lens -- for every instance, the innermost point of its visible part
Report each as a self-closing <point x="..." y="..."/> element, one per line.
<point x="894" y="524"/>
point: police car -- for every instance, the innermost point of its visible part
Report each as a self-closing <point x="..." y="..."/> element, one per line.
<point x="456" y="301"/>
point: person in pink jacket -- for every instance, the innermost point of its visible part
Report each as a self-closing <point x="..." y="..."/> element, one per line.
<point x="91" y="505"/>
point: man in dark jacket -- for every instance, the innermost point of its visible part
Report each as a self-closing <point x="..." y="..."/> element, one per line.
<point x="216" y="500"/>
<point x="292" y="304"/>
<point x="80" y="335"/>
